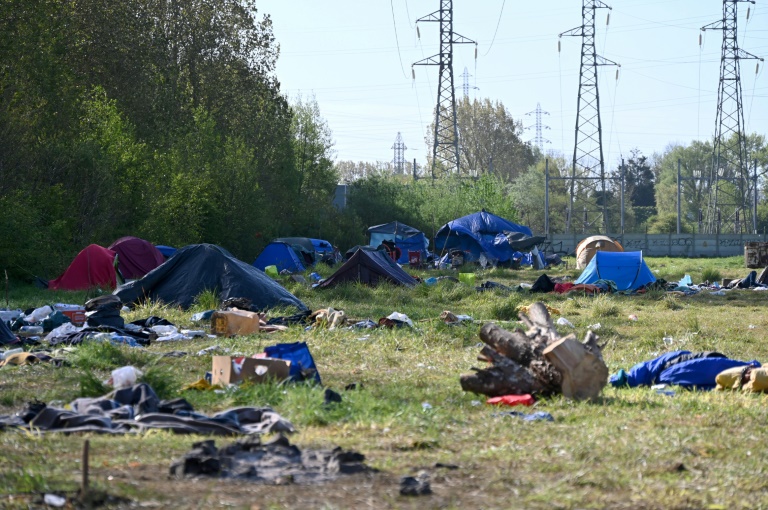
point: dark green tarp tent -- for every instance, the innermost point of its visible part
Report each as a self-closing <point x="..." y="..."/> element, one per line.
<point x="200" y="267"/>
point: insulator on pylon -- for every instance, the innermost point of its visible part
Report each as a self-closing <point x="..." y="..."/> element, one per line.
<point x="757" y="67"/>
<point x="558" y="45"/>
<point x="700" y="39"/>
<point x="608" y="19"/>
<point x="475" y="51"/>
<point x="413" y="73"/>
<point x="418" y="32"/>
<point x="617" y="75"/>
<point x="748" y="8"/>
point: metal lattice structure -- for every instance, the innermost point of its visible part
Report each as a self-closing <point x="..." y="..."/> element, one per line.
<point x="587" y="186"/>
<point x="399" y="160"/>
<point x="446" y="142"/>
<point x="465" y="76"/>
<point x="731" y="189"/>
<point x="539" y="139"/>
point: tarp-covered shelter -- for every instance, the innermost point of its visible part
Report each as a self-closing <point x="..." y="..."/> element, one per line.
<point x="370" y="268"/>
<point x="627" y="269"/>
<point x="587" y="248"/>
<point x="200" y="267"/>
<point x="136" y="257"/>
<point x="92" y="267"/>
<point x="478" y="234"/>
<point x="282" y="255"/>
<point x="408" y="239"/>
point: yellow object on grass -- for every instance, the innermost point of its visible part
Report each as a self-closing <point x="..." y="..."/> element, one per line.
<point x="202" y="385"/>
<point x="526" y="308"/>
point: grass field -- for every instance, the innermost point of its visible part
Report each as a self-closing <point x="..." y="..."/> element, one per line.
<point x="633" y="449"/>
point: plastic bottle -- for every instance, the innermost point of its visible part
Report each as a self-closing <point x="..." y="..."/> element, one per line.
<point x="27" y="331"/>
<point x="125" y="377"/>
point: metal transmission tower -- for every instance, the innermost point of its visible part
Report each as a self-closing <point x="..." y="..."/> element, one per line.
<point x="539" y="140"/>
<point x="446" y="145"/>
<point x="465" y="76"/>
<point x="588" y="180"/>
<point x="400" y="149"/>
<point x="731" y="188"/>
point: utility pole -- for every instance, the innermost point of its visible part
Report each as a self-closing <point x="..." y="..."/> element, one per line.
<point x="730" y="182"/>
<point x="399" y="160"/>
<point x="539" y="140"/>
<point x="588" y="166"/>
<point x="446" y="143"/>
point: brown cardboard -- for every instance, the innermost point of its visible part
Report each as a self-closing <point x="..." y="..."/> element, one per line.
<point x="234" y="322"/>
<point x="253" y="370"/>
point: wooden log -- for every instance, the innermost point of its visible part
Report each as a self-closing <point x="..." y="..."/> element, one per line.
<point x="584" y="373"/>
<point x="503" y="378"/>
<point x="515" y="345"/>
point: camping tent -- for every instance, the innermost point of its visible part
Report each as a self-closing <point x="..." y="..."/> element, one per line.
<point x="476" y="234"/>
<point x="136" y="257"/>
<point x="371" y="268"/>
<point x="280" y="254"/>
<point x="406" y="238"/>
<point x="627" y="269"/>
<point x="587" y="248"/>
<point x="325" y="252"/>
<point x="200" y="267"/>
<point x="92" y="267"/>
<point x="167" y="251"/>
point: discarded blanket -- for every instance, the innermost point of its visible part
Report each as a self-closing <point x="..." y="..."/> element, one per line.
<point x="137" y="409"/>
<point x="277" y="461"/>
<point x="682" y="368"/>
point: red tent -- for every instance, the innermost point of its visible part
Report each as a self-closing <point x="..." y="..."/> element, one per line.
<point x="93" y="267"/>
<point x="136" y="257"/>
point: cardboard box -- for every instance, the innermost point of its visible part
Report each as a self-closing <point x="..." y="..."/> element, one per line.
<point x="76" y="316"/>
<point x="256" y="370"/>
<point x="234" y="322"/>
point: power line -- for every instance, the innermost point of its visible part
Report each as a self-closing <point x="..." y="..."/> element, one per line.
<point x="392" y="6"/>
<point x="497" y="28"/>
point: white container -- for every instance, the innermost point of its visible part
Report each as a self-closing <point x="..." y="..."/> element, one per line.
<point x="9" y="315"/>
<point x="27" y="331"/>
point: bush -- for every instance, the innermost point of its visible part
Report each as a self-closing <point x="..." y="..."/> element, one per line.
<point x="711" y="275"/>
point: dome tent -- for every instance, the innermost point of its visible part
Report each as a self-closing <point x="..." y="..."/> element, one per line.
<point x="200" y="267"/>
<point x="627" y="269"/>
<point x="93" y="267"/>
<point x="587" y="248"/>
<point x="136" y="257"/>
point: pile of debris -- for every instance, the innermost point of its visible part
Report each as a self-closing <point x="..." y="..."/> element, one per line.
<point x="537" y="361"/>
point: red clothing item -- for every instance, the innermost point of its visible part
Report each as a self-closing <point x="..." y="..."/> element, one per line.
<point x="512" y="400"/>
<point x="562" y="288"/>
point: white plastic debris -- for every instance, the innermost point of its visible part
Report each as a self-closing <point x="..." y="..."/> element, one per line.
<point x="596" y="325"/>
<point x="125" y="377"/>
<point x="426" y="406"/>
<point x="54" y="500"/>
<point x="39" y="314"/>
<point x="562" y="321"/>
<point x="163" y="330"/>
<point x="64" y="329"/>
<point x="397" y="316"/>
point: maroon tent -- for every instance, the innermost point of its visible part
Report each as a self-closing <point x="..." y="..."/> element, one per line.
<point x="92" y="267"/>
<point x="136" y="257"/>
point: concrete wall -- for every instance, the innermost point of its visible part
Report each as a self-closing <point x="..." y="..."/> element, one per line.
<point x="671" y="245"/>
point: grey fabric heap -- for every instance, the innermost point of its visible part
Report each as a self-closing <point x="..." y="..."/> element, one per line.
<point x="275" y="462"/>
<point x="137" y="409"/>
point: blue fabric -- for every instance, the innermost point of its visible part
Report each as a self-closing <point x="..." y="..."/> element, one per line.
<point x="627" y="269"/>
<point x="280" y="255"/>
<point x="167" y="251"/>
<point x="699" y="373"/>
<point x="406" y="238"/>
<point x="322" y="246"/>
<point x="476" y="234"/>
<point x="299" y="356"/>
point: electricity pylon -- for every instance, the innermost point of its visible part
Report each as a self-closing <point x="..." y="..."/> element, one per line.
<point x="539" y="139"/>
<point x="588" y="180"/>
<point x="399" y="160"/>
<point x="731" y="190"/>
<point x="446" y="143"/>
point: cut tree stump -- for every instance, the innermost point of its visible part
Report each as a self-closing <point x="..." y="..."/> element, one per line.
<point x="537" y="361"/>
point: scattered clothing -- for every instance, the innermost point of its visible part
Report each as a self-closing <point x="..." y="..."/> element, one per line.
<point x="681" y="368"/>
<point x="137" y="409"/>
<point x="512" y="400"/>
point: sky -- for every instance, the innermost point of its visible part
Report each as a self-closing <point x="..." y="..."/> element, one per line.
<point x="355" y="58"/>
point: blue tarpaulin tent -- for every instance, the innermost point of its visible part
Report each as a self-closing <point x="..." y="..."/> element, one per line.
<point x="627" y="269"/>
<point x="406" y="238"/>
<point x="280" y="254"/>
<point x="476" y="234"/>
